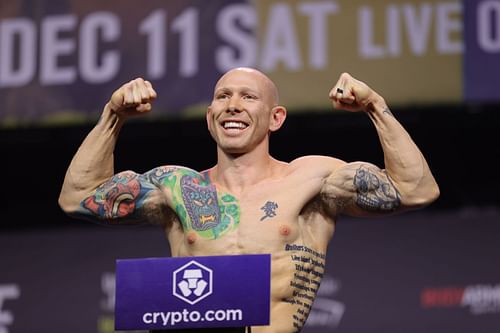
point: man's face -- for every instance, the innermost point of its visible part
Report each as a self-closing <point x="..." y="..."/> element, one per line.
<point x="240" y="115"/>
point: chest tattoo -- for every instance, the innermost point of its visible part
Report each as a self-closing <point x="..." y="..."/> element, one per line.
<point x="201" y="208"/>
<point x="201" y="204"/>
<point x="269" y="209"/>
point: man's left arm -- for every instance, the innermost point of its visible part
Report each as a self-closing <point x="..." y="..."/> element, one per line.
<point x="361" y="188"/>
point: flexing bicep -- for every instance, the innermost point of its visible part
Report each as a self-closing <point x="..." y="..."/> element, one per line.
<point x="361" y="189"/>
<point x="126" y="198"/>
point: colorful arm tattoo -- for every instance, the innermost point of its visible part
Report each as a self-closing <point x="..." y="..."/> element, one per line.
<point x="123" y="196"/>
<point x="195" y="200"/>
<point x="119" y="198"/>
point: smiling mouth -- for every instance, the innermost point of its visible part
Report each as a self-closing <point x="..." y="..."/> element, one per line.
<point x="231" y="124"/>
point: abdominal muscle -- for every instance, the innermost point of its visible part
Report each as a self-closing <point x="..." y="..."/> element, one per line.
<point x="297" y="264"/>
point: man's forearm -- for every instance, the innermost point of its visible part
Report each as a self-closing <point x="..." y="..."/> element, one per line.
<point x="93" y="163"/>
<point x="404" y="162"/>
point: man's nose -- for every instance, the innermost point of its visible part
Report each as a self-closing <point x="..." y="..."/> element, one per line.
<point x="233" y="110"/>
<point x="234" y="106"/>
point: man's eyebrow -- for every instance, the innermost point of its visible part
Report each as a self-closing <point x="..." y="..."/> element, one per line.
<point x="220" y="90"/>
<point x="240" y="89"/>
<point x="249" y="90"/>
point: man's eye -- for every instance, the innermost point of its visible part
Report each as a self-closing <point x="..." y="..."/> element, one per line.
<point x="222" y="96"/>
<point x="250" y="97"/>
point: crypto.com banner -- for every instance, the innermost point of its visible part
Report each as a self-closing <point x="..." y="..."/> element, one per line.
<point x="60" y="61"/>
<point x="193" y="292"/>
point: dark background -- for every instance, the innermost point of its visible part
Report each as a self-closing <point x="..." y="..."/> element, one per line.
<point x="460" y="142"/>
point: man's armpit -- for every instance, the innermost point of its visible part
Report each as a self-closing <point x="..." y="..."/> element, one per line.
<point x="374" y="190"/>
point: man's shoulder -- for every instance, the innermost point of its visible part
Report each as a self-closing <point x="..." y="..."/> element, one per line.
<point x="165" y="172"/>
<point x="312" y="167"/>
<point x="169" y="169"/>
<point x="316" y="163"/>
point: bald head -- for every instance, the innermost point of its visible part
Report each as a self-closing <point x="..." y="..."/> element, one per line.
<point x="261" y="79"/>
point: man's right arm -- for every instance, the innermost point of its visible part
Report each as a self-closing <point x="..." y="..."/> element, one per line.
<point x="90" y="176"/>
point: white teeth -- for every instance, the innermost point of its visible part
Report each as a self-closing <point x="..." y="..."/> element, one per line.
<point x="234" y="124"/>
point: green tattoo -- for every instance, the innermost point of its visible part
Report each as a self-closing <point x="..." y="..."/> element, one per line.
<point x="199" y="206"/>
<point x="195" y="200"/>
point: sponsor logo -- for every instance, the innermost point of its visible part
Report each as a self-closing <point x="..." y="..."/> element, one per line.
<point x="105" y="320"/>
<point x="7" y="292"/>
<point x="192" y="282"/>
<point x="326" y="312"/>
<point x="479" y="299"/>
<point x="171" y="318"/>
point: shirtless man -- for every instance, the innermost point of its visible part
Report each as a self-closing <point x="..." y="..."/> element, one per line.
<point x="249" y="202"/>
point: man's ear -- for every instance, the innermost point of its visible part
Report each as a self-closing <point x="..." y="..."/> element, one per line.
<point x="208" y="115"/>
<point x="278" y="116"/>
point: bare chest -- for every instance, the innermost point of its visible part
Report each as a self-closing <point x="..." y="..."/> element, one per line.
<point x="263" y="219"/>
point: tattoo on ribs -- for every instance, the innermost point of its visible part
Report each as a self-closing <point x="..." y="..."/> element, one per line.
<point x="375" y="191"/>
<point x="309" y="270"/>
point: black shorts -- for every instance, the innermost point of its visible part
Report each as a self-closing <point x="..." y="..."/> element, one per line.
<point x="208" y="330"/>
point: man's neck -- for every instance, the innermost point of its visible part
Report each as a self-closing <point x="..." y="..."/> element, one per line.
<point x="238" y="172"/>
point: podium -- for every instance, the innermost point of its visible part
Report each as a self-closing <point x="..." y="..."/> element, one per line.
<point x="192" y="292"/>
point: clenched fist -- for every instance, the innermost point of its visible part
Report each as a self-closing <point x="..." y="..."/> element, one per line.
<point x="132" y="98"/>
<point x="353" y="95"/>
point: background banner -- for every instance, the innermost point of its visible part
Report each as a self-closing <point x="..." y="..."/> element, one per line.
<point x="61" y="60"/>
<point x="481" y="58"/>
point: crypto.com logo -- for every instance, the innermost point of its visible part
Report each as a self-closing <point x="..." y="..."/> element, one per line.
<point x="192" y="282"/>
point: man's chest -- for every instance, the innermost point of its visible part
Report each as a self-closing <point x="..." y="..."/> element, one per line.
<point x="212" y="212"/>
